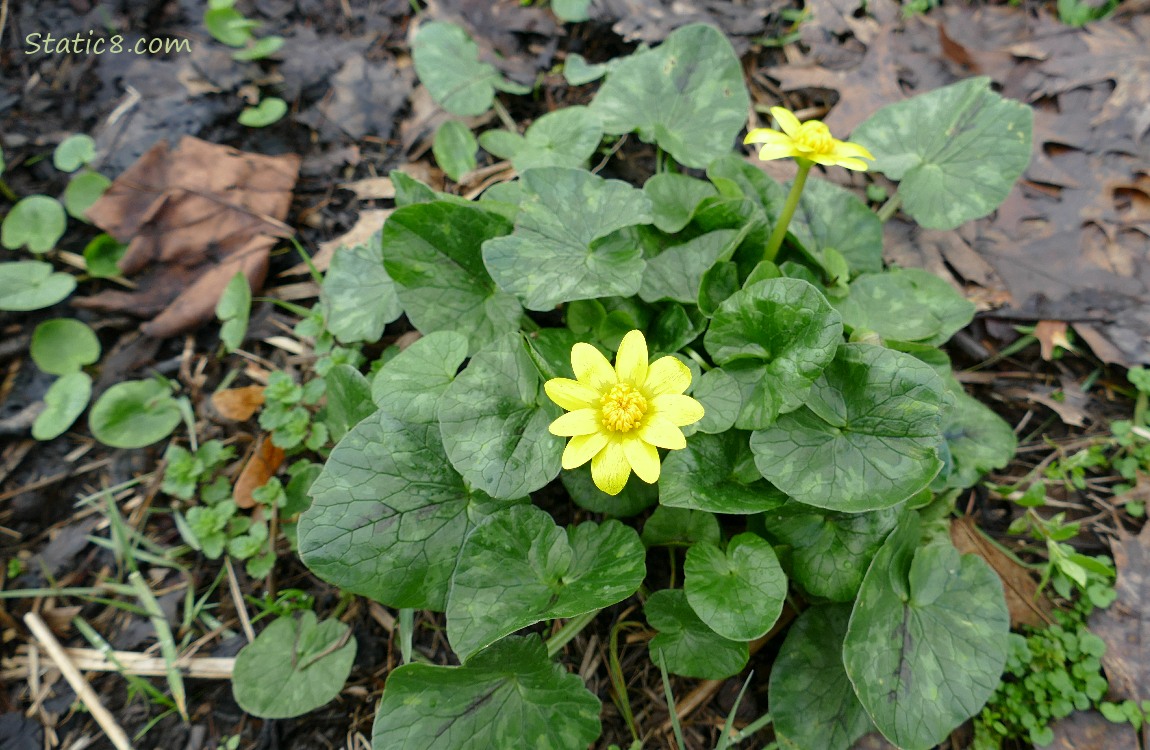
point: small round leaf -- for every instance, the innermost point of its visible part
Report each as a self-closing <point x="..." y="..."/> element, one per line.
<point x="134" y="414"/>
<point x="65" y="400"/>
<point x="37" y="222"/>
<point x="83" y="190"/>
<point x="738" y="593"/>
<point x="64" y="345"/>
<point x="32" y="285"/>
<point x="74" y="152"/>
<point x="685" y="645"/>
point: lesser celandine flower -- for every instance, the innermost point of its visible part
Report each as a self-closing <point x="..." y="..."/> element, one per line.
<point x="618" y="416"/>
<point x="810" y="140"/>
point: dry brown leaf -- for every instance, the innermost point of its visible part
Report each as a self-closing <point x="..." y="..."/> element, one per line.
<point x="262" y="465"/>
<point x="1051" y="334"/>
<point x="194" y="217"/>
<point x="1026" y="606"/>
<point x="1090" y="730"/>
<point x="371" y="188"/>
<point x="238" y="404"/>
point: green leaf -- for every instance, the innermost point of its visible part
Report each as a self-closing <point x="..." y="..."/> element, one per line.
<point x="674" y="198"/>
<point x="978" y="439"/>
<point x="454" y="149"/>
<point x="774" y="338"/>
<point x="32" y="285"/>
<point x="578" y="71"/>
<point x="348" y="400"/>
<point x="956" y="151"/>
<point x="907" y="304"/>
<point x="134" y="414"/>
<point x="102" y="254"/>
<point x="717" y="286"/>
<point x="228" y="26"/>
<point x="494" y="419"/>
<point x="74" y="152"/>
<point x="519" y="568"/>
<point x="680" y="527"/>
<point x="675" y="327"/>
<point x="409" y="191"/>
<point x="731" y="171"/>
<point x="829" y="551"/>
<point x="268" y="111"/>
<point x="64" y="345"/>
<point x="716" y="473"/>
<point x="635" y="497"/>
<point x="927" y="640"/>
<point x="722" y="399"/>
<point x="389" y="514"/>
<point x="561" y="249"/>
<point x="812" y="701"/>
<point x="688" y="96"/>
<point x="265" y="47"/>
<point x="569" y="11"/>
<point x="64" y="402"/>
<point x="685" y="645"/>
<point x="410" y="385"/>
<point x="867" y="438"/>
<point x="433" y="251"/>
<point x="233" y="310"/>
<point x="677" y="272"/>
<point x="447" y="63"/>
<point x="358" y="295"/>
<point x="567" y="137"/>
<point x="82" y="191"/>
<point x="293" y="667"/>
<point x="738" y="593"/>
<point x="510" y="690"/>
<point x="36" y="221"/>
<point x="831" y="218"/>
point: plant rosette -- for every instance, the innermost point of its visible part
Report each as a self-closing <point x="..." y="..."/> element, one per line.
<point x="797" y="394"/>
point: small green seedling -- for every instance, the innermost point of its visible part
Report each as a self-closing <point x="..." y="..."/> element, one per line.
<point x="32" y="285"/>
<point x="233" y="310"/>
<point x="268" y="111"/>
<point x="36" y="222"/>
<point x="64" y="345"/>
<point x="135" y="413"/>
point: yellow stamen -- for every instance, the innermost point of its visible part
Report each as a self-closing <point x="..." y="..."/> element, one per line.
<point x="814" y="137"/>
<point x="623" y="408"/>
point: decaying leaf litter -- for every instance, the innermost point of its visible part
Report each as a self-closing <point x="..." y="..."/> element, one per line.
<point x="1065" y="247"/>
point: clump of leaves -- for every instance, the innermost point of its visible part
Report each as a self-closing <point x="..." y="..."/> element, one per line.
<point x="186" y="471"/>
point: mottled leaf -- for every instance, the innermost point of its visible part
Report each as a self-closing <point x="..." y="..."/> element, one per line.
<point x="348" y="400"/>
<point x="567" y="137"/>
<point x="359" y="297"/>
<point x="716" y="473"/>
<point x="680" y="527"/>
<point x="410" y="385"/>
<point x="722" y="399"/>
<point x="677" y="272"/>
<point x="831" y="218"/>
<point x="674" y="198"/>
<point x="907" y="304"/>
<point x="447" y="63"/>
<point x="685" y="645"/>
<point x="738" y="593"/>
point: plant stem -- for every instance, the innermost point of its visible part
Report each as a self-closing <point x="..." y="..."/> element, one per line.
<point x="504" y="115"/>
<point x="887" y="209"/>
<point x="780" y="230"/>
<point x="569" y="630"/>
<point x="406" y="630"/>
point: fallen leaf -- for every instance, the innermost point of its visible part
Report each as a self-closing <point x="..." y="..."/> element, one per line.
<point x="369" y="222"/>
<point x="652" y="21"/>
<point x="1090" y="730"/>
<point x="1026" y="605"/>
<point x="366" y="96"/>
<point x="371" y="188"/>
<point x="262" y="465"/>
<point x="194" y="217"/>
<point x="238" y="404"/>
<point x="1051" y="334"/>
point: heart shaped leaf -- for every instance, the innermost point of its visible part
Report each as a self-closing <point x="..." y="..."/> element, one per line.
<point x="738" y="593"/>
<point x="677" y="272"/>
<point x="907" y="304"/>
<point x="410" y="385"/>
<point x="867" y="438"/>
<point x="64" y="401"/>
<point x="685" y="644"/>
<point x="978" y="439"/>
<point x="36" y="221"/>
<point x="32" y="285"/>
<point x="447" y="63"/>
<point x="674" y="198"/>
<point x="359" y="298"/>
<point x="63" y="345"/>
<point x="716" y="473"/>
<point x="831" y="218"/>
<point x="566" y="137"/>
<point x="134" y="413"/>
<point x="454" y="149"/>
<point x="519" y="568"/>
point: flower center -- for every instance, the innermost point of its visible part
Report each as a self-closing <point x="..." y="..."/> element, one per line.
<point x="815" y="137"/>
<point x="623" y="408"/>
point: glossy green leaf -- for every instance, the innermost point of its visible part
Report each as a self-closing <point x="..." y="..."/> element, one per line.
<point x="63" y="345"/>
<point x="829" y="552"/>
<point x="688" y="96"/>
<point x="519" y="568"/>
<point x="722" y="399"/>
<point x="635" y="497"/>
<point x="36" y="222"/>
<point x="389" y="514"/>
<point x="717" y="286"/>
<point x="433" y="251"/>
<point x="738" y="593"/>
<point x="82" y="191"/>
<point x="134" y="413"/>
<point x="408" y="190"/>
<point x="447" y="63"/>
<point x="74" y="152"/>
<point x="510" y="690"/>
<point x="673" y="328"/>
<point x="956" y="151"/>
<point x="563" y="248"/>
<point x="735" y="176"/>
<point x="454" y="148"/>
<point x="268" y="111"/>
<point x="359" y="298"/>
<point x="831" y="218"/>
<point x="102" y="254"/>
<point x="674" y="198"/>
<point x="669" y="526"/>
<point x="410" y="385"/>
<point x="348" y="400"/>
<point x="812" y="701"/>
<point x="294" y="666"/>
<point x="233" y="310"/>
<point x="927" y="640"/>
<point x="567" y="137"/>
<point x="64" y="401"/>
<point x="979" y="440"/>
<point x="32" y="285"/>
<point x="716" y="473"/>
<point x="907" y="304"/>
<point x="774" y="338"/>
<point x="494" y="418"/>
<point x="677" y="272"/>
<point x="685" y="645"/>
<point x="867" y="438"/>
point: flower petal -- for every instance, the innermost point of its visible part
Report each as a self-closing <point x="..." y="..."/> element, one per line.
<point x="609" y="468"/>
<point x="845" y="149"/>
<point x="662" y="432"/>
<point x="667" y="375"/>
<point x="571" y="394"/>
<point x="631" y="361"/>
<point x="778" y="151"/>
<point x="644" y="459"/>
<point x="681" y="410"/>
<point x="786" y="120"/>
<point x="856" y="164"/>
<point x="766" y="135"/>
<point x="591" y="367"/>
<point x="582" y="449"/>
<point x="578" y="422"/>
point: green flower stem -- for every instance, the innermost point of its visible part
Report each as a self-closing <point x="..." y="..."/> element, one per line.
<point x="406" y="629"/>
<point x="888" y="209"/>
<point x="780" y="230"/>
<point x="569" y="630"/>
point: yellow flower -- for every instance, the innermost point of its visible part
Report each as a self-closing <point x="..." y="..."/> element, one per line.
<point x="809" y="140"/>
<point x="618" y="416"/>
